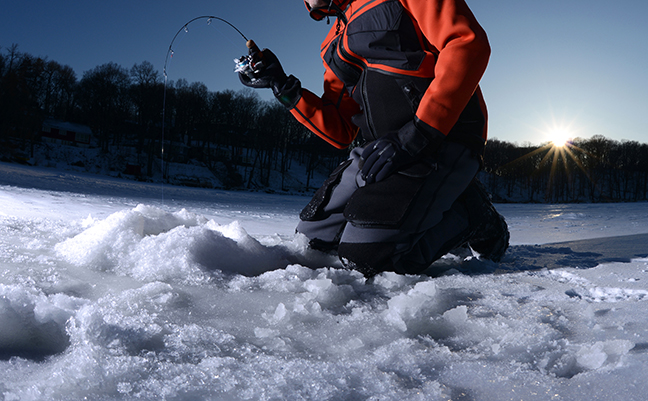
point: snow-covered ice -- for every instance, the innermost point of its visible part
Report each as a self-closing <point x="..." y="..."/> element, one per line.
<point x="114" y="289"/>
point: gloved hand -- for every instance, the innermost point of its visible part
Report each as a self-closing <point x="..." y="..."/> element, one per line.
<point x="268" y="73"/>
<point x="392" y="152"/>
<point x="383" y="157"/>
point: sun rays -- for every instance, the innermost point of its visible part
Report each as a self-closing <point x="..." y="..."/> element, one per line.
<point x="559" y="157"/>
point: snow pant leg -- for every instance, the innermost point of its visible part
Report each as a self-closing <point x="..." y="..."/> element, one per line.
<point x="452" y="231"/>
<point x="322" y="220"/>
<point x="430" y="225"/>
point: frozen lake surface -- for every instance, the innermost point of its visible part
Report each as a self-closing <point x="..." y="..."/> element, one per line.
<point x="113" y="289"/>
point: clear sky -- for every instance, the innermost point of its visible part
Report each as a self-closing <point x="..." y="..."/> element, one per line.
<point x="571" y="64"/>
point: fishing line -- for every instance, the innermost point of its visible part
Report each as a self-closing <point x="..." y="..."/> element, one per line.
<point x="169" y="55"/>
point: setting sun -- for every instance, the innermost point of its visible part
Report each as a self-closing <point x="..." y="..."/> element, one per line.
<point x="560" y="136"/>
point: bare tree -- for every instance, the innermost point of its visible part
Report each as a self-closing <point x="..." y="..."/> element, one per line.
<point x="104" y="101"/>
<point x="147" y="95"/>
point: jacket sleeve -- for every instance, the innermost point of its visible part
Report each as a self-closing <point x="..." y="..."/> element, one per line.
<point x="329" y="116"/>
<point x="450" y="28"/>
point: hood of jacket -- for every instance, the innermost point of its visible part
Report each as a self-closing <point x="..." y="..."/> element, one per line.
<point x="334" y="9"/>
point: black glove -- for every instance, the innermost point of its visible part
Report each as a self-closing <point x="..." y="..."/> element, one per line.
<point x="268" y="73"/>
<point x="392" y="152"/>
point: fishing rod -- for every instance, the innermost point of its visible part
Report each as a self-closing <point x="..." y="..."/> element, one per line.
<point x="209" y="18"/>
<point x="244" y="64"/>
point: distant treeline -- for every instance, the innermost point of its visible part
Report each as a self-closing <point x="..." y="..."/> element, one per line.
<point x="125" y="108"/>
<point x="584" y="170"/>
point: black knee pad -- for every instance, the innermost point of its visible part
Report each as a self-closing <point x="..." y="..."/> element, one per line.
<point x="367" y="258"/>
<point x="386" y="204"/>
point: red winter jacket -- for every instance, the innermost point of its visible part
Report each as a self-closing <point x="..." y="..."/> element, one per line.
<point x="388" y="61"/>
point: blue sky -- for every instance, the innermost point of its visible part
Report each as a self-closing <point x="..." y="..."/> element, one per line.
<point x="576" y="65"/>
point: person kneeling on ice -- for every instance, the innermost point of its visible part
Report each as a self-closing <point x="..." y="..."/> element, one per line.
<point x="404" y="74"/>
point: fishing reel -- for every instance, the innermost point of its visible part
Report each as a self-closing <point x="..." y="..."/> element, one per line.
<point x="250" y="64"/>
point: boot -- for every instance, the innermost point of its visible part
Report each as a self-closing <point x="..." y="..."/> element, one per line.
<point x="489" y="232"/>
